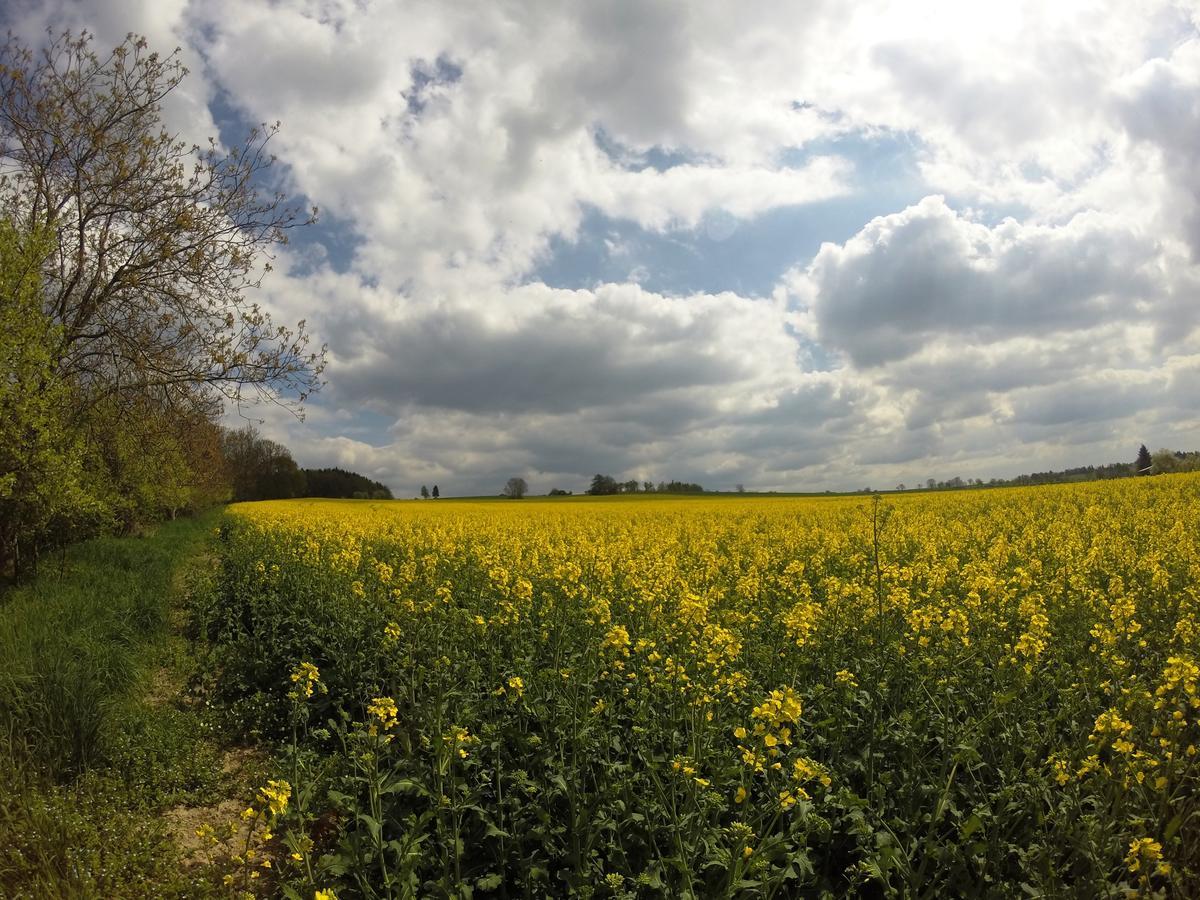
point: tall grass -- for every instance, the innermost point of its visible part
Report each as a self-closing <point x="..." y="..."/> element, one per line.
<point x="70" y="643"/>
<point x="85" y="762"/>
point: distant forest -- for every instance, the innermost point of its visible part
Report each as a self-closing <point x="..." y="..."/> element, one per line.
<point x="1164" y="462"/>
<point x="606" y="484"/>
<point x="261" y="469"/>
<point x="340" y="483"/>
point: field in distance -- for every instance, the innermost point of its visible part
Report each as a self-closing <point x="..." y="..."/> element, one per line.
<point x="969" y="693"/>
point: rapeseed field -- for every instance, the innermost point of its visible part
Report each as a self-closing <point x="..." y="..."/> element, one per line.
<point x="979" y="693"/>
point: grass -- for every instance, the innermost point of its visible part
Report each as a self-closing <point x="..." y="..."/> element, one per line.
<point x="89" y="756"/>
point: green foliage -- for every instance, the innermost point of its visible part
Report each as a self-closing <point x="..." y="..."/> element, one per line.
<point x="86" y="764"/>
<point x="84" y="839"/>
<point x="70" y="643"/>
<point x="1167" y="462"/>
<point x="43" y="492"/>
<point x="116" y="354"/>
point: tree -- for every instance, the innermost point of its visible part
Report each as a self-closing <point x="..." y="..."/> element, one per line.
<point x="602" y="485"/>
<point x="436" y="494"/>
<point x="1144" y="464"/>
<point x="261" y="469"/>
<point x="42" y="470"/>
<point x="159" y="242"/>
<point x="424" y="492"/>
<point x="337" y="482"/>
<point x="515" y="488"/>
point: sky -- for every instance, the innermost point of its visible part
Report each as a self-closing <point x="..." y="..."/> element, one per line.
<point x="791" y="246"/>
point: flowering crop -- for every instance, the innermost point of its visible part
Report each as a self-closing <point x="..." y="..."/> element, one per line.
<point x="734" y="697"/>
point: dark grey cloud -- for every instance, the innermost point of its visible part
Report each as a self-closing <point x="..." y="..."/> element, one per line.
<point x="559" y="351"/>
<point x="1085" y="400"/>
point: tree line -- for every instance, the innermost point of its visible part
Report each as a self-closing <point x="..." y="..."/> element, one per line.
<point x="606" y="484"/>
<point x="261" y="469"/>
<point x="516" y="488"/>
<point x="1162" y="462"/>
<point x="128" y="260"/>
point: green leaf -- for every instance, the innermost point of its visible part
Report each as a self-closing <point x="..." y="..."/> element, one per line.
<point x="373" y="825"/>
<point x="489" y="882"/>
<point x="1172" y="827"/>
<point x="973" y="824"/>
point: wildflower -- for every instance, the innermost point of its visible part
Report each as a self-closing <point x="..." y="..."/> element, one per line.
<point x="306" y="677"/>
<point x="517" y="686"/>
<point x="617" y="639"/>
<point x="1062" y="773"/>
<point x="1142" y="851"/>
<point x="459" y="739"/>
<point x="806" y="770"/>
<point x="275" y="795"/>
<point x="782" y="706"/>
<point x="384" y="709"/>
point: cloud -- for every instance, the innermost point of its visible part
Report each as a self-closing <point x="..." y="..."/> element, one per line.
<point x="927" y="273"/>
<point x="1036" y="308"/>
<point x="535" y="349"/>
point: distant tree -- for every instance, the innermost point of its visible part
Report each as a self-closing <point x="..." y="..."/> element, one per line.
<point x="515" y="488"/>
<point x="648" y="487"/>
<point x="630" y="487"/>
<point x="559" y="492"/>
<point x="281" y="479"/>
<point x="680" y="487"/>
<point x="261" y="469"/>
<point x="900" y="486"/>
<point x="1145" y="463"/>
<point x="603" y="485"/>
<point x="340" y="483"/>
<point x="930" y="484"/>
<point x="436" y="493"/>
<point x="1165" y="462"/>
<point x="424" y="492"/>
<point x="741" y="488"/>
